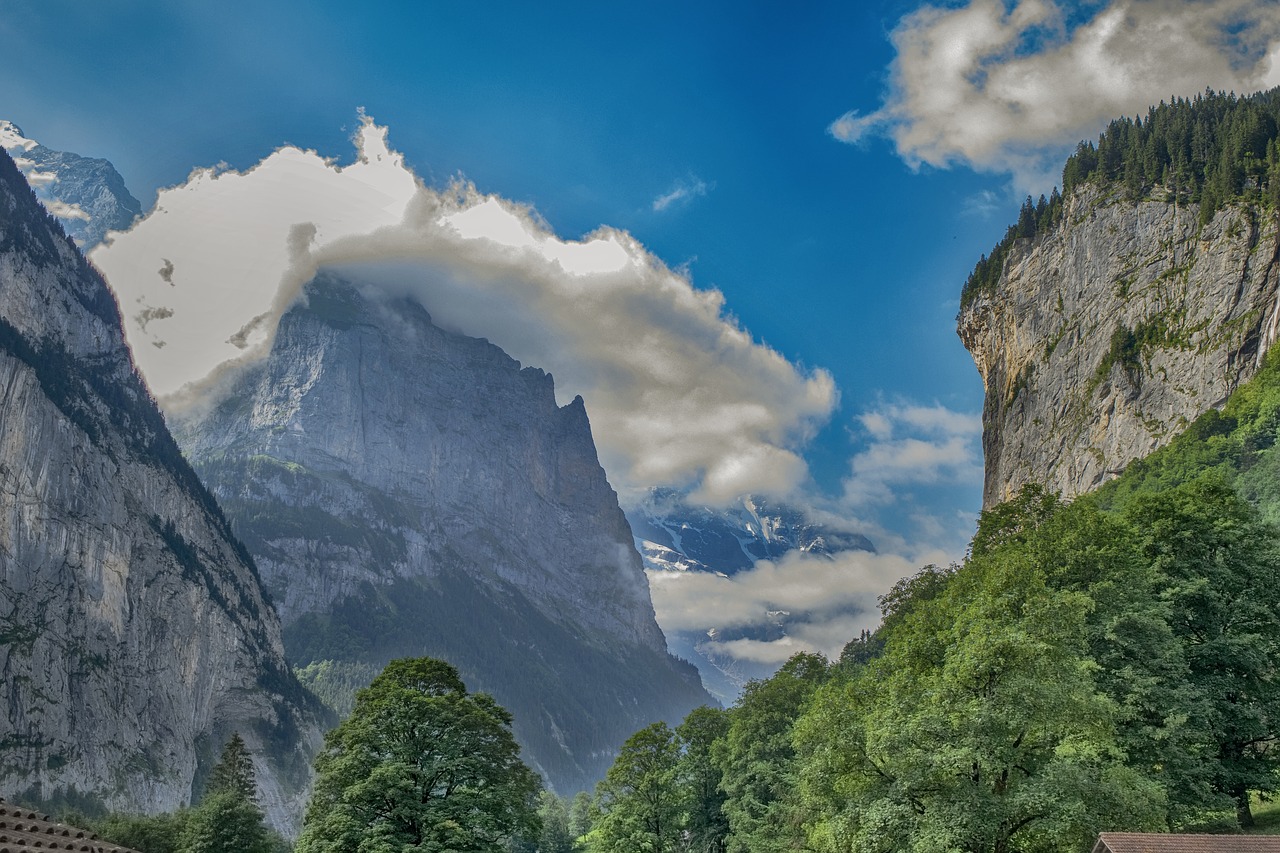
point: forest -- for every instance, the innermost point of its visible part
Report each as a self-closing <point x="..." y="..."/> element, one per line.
<point x="1212" y="150"/>
<point x="1105" y="664"/>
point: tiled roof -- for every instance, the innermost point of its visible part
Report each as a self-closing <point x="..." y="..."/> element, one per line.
<point x="24" y="830"/>
<point x="1147" y="842"/>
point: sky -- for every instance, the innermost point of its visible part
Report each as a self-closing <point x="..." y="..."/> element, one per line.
<point x="739" y="230"/>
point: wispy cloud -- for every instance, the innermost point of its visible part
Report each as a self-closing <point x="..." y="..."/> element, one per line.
<point x="828" y="600"/>
<point x="1009" y="87"/>
<point x="683" y="191"/>
<point x="913" y="444"/>
<point x="984" y="204"/>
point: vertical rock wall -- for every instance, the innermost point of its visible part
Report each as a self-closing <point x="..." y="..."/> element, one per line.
<point x="134" y="633"/>
<point x="1113" y="330"/>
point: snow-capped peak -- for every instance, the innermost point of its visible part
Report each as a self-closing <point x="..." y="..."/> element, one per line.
<point x="11" y="138"/>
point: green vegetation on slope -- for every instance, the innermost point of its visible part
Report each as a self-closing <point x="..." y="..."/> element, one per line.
<point x="1103" y="665"/>
<point x="1214" y="149"/>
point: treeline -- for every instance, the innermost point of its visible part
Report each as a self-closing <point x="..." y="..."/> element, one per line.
<point x="1210" y="150"/>
<point x="227" y="818"/>
<point x="1107" y="664"/>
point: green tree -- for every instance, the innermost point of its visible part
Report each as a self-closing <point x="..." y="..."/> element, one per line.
<point x="227" y="818"/>
<point x="705" y="825"/>
<point x="160" y="833"/>
<point x="234" y="772"/>
<point x="420" y="765"/>
<point x="555" y="836"/>
<point x="1141" y="666"/>
<point x="580" y="816"/>
<point x="638" y="802"/>
<point x="758" y="761"/>
<point x="227" y="822"/>
<point x="1220" y="571"/>
<point x="980" y="729"/>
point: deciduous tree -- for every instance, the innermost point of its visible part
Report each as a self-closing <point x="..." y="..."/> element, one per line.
<point x="420" y="765"/>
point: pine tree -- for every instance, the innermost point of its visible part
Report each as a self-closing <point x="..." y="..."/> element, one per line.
<point x="233" y="772"/>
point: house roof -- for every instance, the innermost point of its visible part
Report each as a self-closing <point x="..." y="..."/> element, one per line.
<point x="24" y="830"/>
<point x="1150" y="842"/>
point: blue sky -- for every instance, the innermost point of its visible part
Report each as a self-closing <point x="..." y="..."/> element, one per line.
<point x="710" y="132"/>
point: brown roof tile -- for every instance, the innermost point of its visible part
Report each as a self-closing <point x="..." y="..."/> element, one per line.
<point x="1149" y="842"/>
<point x="22" y="831"/>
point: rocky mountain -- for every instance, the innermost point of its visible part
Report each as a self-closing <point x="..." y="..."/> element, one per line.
<point x="136" y="634"/>
<point x="407" y="490"/>
<point x="86" y="194"/>
<point x="1109" y="332"/>
<point x="676" y="534"/>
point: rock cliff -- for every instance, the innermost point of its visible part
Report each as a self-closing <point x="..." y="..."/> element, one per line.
<point x="134" y="633"/>
<point x="1112" y="330"/>
<point x="407" y="490"/>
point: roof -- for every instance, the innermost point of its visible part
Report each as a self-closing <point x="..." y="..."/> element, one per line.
<point x="1150" y="842"/>
<point x="24" y="830"/>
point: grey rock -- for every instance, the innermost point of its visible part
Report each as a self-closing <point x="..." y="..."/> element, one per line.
<point x="407" y="490"/>
<point x="1067" y="409"/>
<point x="136" y="635"/>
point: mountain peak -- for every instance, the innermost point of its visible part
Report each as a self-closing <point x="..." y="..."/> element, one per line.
<point x="12" y="138"/>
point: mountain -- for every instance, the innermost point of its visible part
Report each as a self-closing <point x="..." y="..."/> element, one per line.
<point x="1108" y="320"/>
<point x="86" y="194"/>
<point x="137" y="636"/>
<point x="407" y="490"/>
<point x="675" y="534"/>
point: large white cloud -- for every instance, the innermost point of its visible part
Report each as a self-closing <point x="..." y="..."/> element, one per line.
<point x="678" y="392"/>
<point x="992" y="84"/>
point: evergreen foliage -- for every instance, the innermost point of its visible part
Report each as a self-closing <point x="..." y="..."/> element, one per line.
<point x="226" y="822"/>
<point x="233" y="774"/>
<point x="1212" y="150"/>
<point x="147" y="833"/>
<point x="758" y="759"/>
<point x="227" y="819"/>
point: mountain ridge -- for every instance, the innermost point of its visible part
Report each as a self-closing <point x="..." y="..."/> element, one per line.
<point x="139" y="636"/>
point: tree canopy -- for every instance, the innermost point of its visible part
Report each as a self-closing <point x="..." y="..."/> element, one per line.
<point x="420" y="765"/>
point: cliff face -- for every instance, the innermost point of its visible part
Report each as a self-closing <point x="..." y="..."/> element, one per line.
<point x="1109" y="332"/>
<point x="408" y="491"/>
<point x="136" y="635"/>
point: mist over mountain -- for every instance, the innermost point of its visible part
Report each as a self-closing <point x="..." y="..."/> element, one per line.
<point x="676" y="534"/>
<point x="86" y="194"/>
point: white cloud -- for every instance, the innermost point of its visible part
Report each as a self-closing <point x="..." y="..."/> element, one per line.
<point x="913" y="444"/>
<point x="678" y="393"/>
<point x="680" y="192"/>
<point x="830" y="600"/>
<point x="66" y="210"/>
<point x="1009" y="86"/>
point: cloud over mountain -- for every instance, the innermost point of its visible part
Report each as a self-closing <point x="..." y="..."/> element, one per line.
<point x="1003" y="87"/>
<point x="678" y="392"/>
